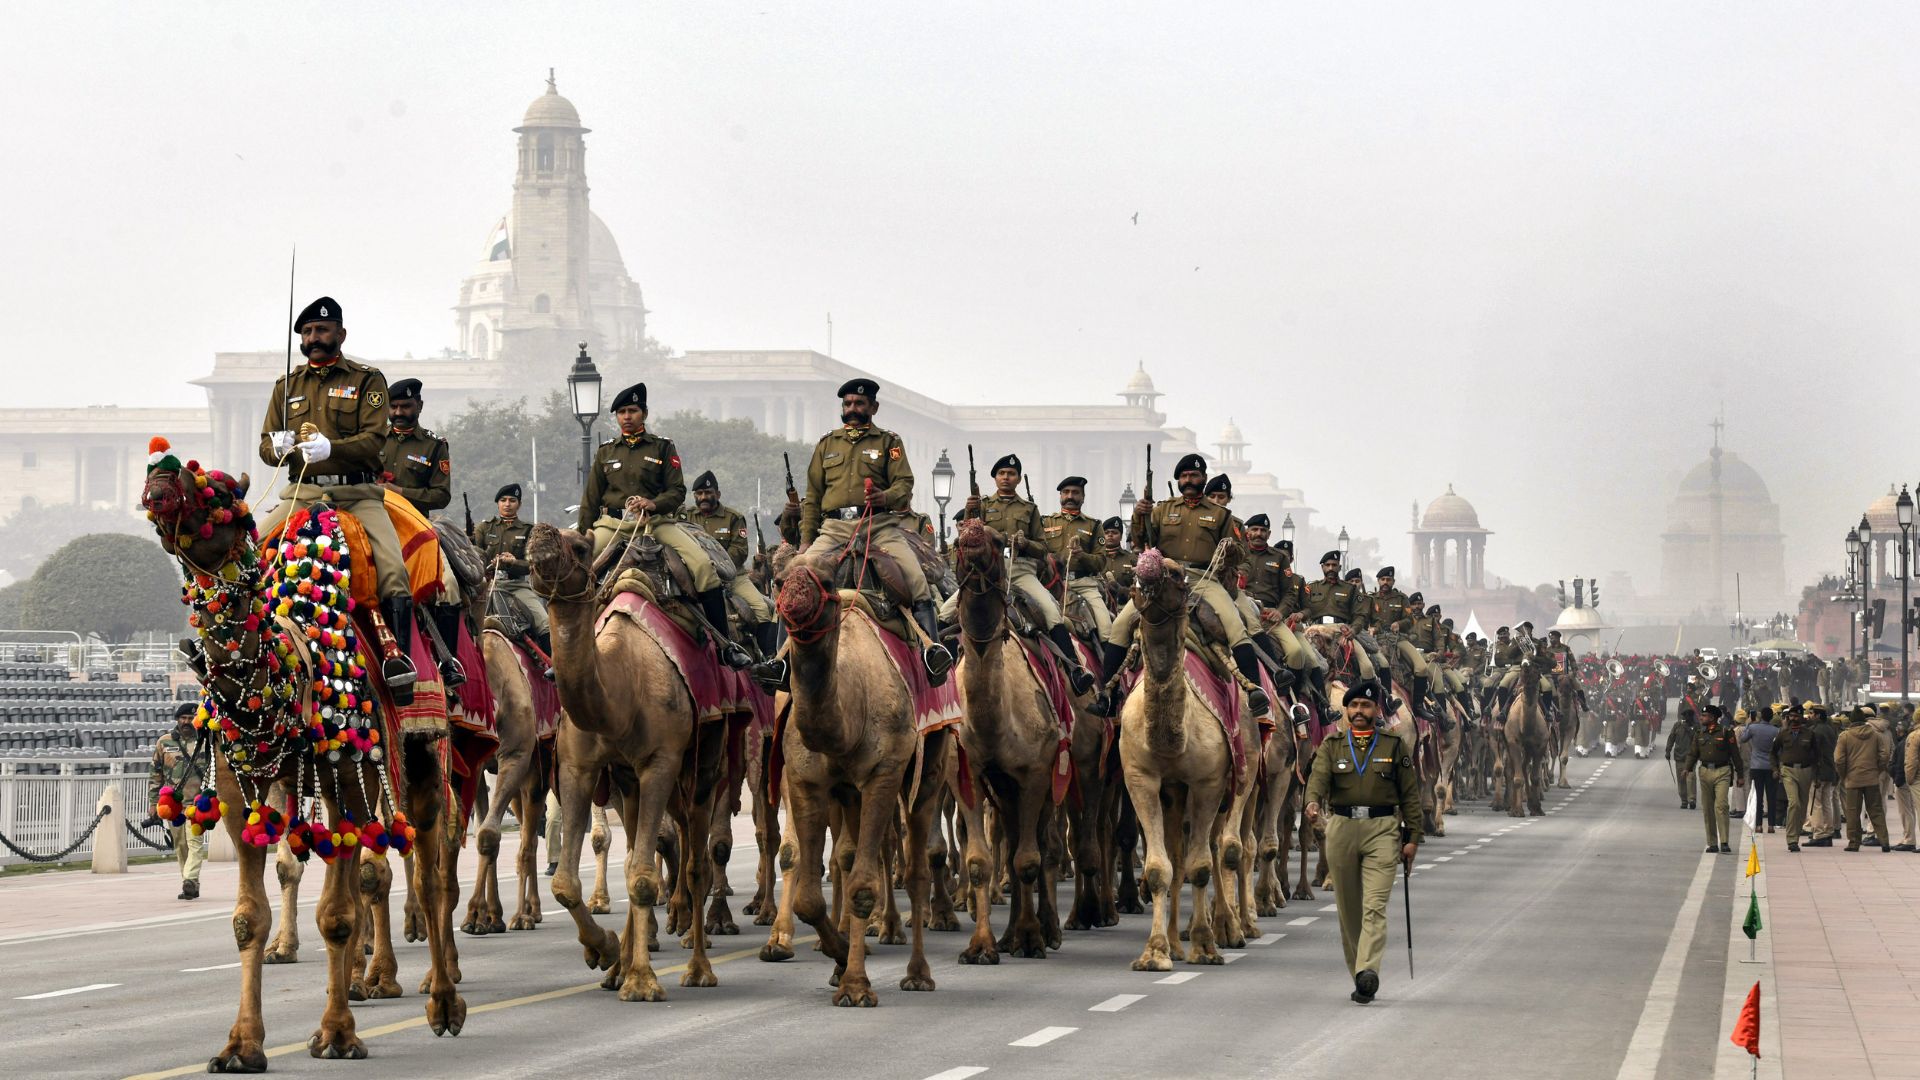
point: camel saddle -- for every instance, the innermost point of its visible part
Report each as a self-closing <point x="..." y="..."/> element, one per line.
<point x="419" y="545"/>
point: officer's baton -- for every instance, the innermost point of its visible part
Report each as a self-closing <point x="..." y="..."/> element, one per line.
<point x="1406" y="894"/>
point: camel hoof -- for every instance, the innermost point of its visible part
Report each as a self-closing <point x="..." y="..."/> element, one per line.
<point x="356" y="991"/>
<point x="447" y="1017"/>
<point x="700" y="978"/>
<point x="599" y="905"/>
<point x="752" y="908"/>
<point x="893" y="935"/>
<point x="721" y="927"/>
<point x="1153" y="963"/>
<point x="1074" y="923"/>
<point x="282" y="956"/>
<point x="1206" y="959"/>
<point x="653" y="943"/>
<point x="860" y="997"/>
<point x="235" y="1060"/>
<point x="497" y="926"/>
<point x="336" y="1047"/>
<point x="763" y="917"/>
<point x="475" y="928"/>
<point x="917" y="982"/>
<point x="773" y="953"/>
<point x="1132" y="907"/>
<point x="604" y="955"/>
<point x="634" y="990"/>
<point x="980" y="954"/>
<point x="523" y="922"/>
<point x="385" y="988"/>
<point x="1110" y="918"/>
<point x="945" y="921"/>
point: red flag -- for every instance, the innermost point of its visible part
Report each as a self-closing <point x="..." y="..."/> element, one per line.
<point x="1746" y="1033"/>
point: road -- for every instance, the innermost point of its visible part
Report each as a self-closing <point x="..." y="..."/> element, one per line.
<point x="1550" y="945"/>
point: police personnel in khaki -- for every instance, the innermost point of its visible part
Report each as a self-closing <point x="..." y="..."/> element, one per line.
<point x="1364" y="783"/>
<point x="859" y="479"/>
<point x="1187" y="532"/>
<point x="1017" y="521"/>
<point x="1073" y="539"/>
<point x="327" y="423"/>
<point x="1793" y="751"/>
<point x="1717" y="764"/>
<point x="416" y="465"/>
<point x="1391" y="613"/>
<point x="182" y="758"/>
<point x="1331" y="601"/>
<point x="502" y="540"/>
<point x="729" y="528"/>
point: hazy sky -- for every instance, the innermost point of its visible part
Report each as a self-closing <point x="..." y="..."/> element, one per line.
<point x="1524" y="248"/>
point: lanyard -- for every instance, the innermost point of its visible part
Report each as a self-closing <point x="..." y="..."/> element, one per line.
<point x="1357" y="769"/>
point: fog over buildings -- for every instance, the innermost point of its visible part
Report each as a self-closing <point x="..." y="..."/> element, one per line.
<point x="1530" y="253"/>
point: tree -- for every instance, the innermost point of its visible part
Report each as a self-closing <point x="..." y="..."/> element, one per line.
<point x="36" y="531"/>
<point x="109" y="584"/>
<point x="11" y="599"/>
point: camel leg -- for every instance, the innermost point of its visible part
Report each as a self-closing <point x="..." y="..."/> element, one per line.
<point x="527" y="865"/>
<point x="766" y="830"/>
<point x="891" y="930"/>
<point x="1158" y="876"/>
<point x="922" y="826"/>
<point x="1127" y="831"/>
<point x="1199" y="862"/>
<point x="1083" y="832"/>
<point x="1022" y="830"/>
<point x="981" y="948"/>
<point x="337" y="916"/>
<point x="865" y="884"/>
<point x="1175" y="827"/>
<point x="602" y="947"/>
<point x="288" y="870"/>
<point x="719" y="919"/>
<point x="1053" y="863"/>
<point x="1103" y="825"/>
<point x="515" y="772"/>
<point x="710" y="756"/>
<point x="657" y="780"/>
<point x="600" y="902"/>
<point x="376" y="886"/>
<point x="801" y="863"/>
<point x="252" y="920"/>
<point x="941" y="915"/>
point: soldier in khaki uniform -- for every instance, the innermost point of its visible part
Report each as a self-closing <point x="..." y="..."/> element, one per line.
<point x="1186" y="532"/>
<point x="1717" y="763"/>
<point x="1861" y="759"/>
<point x="333" y="412"/>
<point x="185" y="760"/>
<point x="1280" y="592"/>
<point x="729" y="527"/>
<point x="1333" y="601"/>
<point x="1072" y="538"/>
<point x="1364" y="782"/>
<point x="635" y="480"/>
<point x="1220" y="493"/>
<point x="1392" y="614"/>
<point x="1793" y="753"/>
<point x="1018" y="523"/>
<point x="415" y="464"/>
<point x="860" y="479"/>
<point x="502" y="541"/>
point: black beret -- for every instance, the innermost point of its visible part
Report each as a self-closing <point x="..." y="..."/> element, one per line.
<point x="1286" y="546"/>
<point x="1505" y="630"/>
<point x="1443" y="622"/>
<point x="1331" y="556"/>
<point x="404" y="390"/>
<point x="1434" y="610"/>
<point x="1071" y="481"/>
<point x="1191" y="463"/>
<point x="1526" y="626"/>
<point x="866" y="388"/>
<point x="632" y="395"/>
<point x="1355" y="575"/>
<point x="706" y="482"/>
<point x="1112" y="524"/>
<point x="1259" y="521"/>
<point x="325" y="309"/>
<point x="1366" y="690"/>
<point x="185" y="709"/>
<point x="507" y="491"/>
<point x="1385" y="571"/>
<point x="1220" y="483"/>
<point x="1011" y="461"/>
<point x="1714" y="711"/>
<point x="1415" y="598"/>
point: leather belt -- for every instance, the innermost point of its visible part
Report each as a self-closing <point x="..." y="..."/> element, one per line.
<point x="846" y="513"/>
<point x="1363" y="813"/>
<point x="342" y="479"/>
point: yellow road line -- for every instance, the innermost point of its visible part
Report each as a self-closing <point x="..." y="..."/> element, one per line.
<point x="472" y="1011"/>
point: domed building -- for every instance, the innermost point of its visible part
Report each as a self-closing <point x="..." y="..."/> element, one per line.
<point x="1449" y="546"/>
<point x="1721" y="523"/>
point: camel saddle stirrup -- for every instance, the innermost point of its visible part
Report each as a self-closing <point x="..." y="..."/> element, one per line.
<point x="935" y="656"/>
<point x="1077" y="676"/>
<point x="397" y="670"/>
<point x="443" y="625"/>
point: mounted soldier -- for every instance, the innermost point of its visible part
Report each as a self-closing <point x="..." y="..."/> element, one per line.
<point x="729" y="529"/>
<point x="1074" y="543"/>
<point x="416" y="465"/>
<point x="502" y="540"/>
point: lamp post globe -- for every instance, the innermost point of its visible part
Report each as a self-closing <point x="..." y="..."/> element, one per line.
<point x="943" y="491"/>
<point x="1344" y="543"/>
<point x="583" y="388"/>
<point x="1286" y="530"/>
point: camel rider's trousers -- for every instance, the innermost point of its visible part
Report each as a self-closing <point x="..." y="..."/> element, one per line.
<point x="1454" y="679"/>
<point x="1416" y="661"/>
<point x="1025" y="577"/>
<point x="1798" y="780"/>
<point x="1088" y="589"/>
<point x="1362" y="663"/>
<point x="1511" y="679"/>
<point x="519" y="592"/>
<point x="885" y="534"/>
<point x="368" y="504"/>
<point x="609" y="529"/>
<point x="1362" y="859"/>
<point x="1715" y="782"/>
<point x="1250" y="616"/>
<point x="759" y="611"/>
<point x="1209" y="592"/>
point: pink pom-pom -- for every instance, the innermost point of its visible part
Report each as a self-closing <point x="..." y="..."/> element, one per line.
<point x="1150" y="565"/>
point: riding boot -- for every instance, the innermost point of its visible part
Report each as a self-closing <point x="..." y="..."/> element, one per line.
<point x="446" y="622"/>
<point x="1421" y="706"/>
<point x="1077" y="675"/>
<point x="766" y="637"/>
<point x="397" y="671"/>
<point x="1248" y="662"/>
<point x="1107" y="701"/>
<point x="545" y="642"/>
<point x="1281" y="674"/>
<point x="1317" y="686"/>
<point x="713" y="604"/>
<point x="935" y="656"/>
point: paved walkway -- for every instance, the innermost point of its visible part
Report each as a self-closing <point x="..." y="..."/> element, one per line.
<point x="1845" y="937"/>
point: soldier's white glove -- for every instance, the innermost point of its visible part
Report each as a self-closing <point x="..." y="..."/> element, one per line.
<point x="316" y="449"/>
<point x="281" y="442"/>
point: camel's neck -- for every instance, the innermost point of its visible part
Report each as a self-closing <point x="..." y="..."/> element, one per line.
<point x="815" y="694"/>
<point x="987" y="649"/>
<point x="1163" y="683"/>
<point x="576" y="662"/>
<point x="230" y="619"/>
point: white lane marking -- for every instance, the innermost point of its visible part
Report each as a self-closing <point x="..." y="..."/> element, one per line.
<point x="1044" y="1036"/>
<point x="1230" y="955"/>
<point x="64" y="993"/>
<point x="1117" y="1002"/>
<point x="1656" y="1016"/>
<point x="1266" y="939"/>
<point x="215" y="967"/>
<point x="1442" y="858"/>
<point x="1486" y="839"/>
<point x="1304" y="920"/>
<point x="1179" y="977"/>
<point x="1461" y="851"/>
<point x="1473" y="847"/>
<point x="1423" y="866"/>
<point x="1331" y="907"/>
<point x="960" y="1073"/>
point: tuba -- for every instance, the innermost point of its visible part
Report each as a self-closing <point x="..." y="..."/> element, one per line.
<point x="1709" y="671"/>
<point x="1615" y="668"/>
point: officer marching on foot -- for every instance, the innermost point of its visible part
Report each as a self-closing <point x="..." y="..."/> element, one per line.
<point x="1364" y="783"/>
<point x="729" y="528"/>
<point x="416" y="465"/>
<point x="502" y="540"/>
<point x="635" y="477"/>
<point x="1717" y="763"/>
<point x="183" y="760"/>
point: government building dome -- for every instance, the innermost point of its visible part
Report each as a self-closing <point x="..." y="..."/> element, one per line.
<point x="1723" y="550"/>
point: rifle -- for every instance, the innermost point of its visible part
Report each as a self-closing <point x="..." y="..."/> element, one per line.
<point x="764" y="561"/>
<point x="469" y="508"/>
<point x="793" y="496"/>
<point x="1149" y="488"/>
<point x="973" y="477"/>
<point x="1024" y="479"/>
<point x="293" y="261"/>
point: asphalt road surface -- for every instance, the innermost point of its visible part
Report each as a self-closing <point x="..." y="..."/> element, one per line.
<point x="1551" y="946"/>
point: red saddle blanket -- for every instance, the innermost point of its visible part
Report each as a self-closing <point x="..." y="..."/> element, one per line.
<point x="546" y="696"/>
<point x="1221" y="697"/>
<point x="934" y="707"/>
<point x="716" y="689"/>
<point x="1052" y="677"/>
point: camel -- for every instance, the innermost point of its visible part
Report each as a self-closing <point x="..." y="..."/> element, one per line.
<point x="850" y="745"/>
<point x="1567" y="712"/>
<point x="1527" y="739"/>
<point x="1179" y="771"/>
<point x="1280" y="778"/>
<point x="259" y="666"/>
<point x="519" y="751"/>
<point x="1011" y="738"/>
<point x="626" y="707"/>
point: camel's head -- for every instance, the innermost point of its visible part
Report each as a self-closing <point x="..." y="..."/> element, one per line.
<point x="807" y="604"/>
<point x="557" y="560"/>
<point x="201" y="517"/>
<point x="976" y="559"/>
<point x="1324" y="638"/>
<point x="1159" y="587"/>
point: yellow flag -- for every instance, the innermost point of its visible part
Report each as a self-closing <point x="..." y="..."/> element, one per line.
<point x="1753" y="860"/>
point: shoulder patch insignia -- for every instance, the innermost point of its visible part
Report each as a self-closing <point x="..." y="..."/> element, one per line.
<point x="376" y="399"/>
<point x="893" y="453"/>
<point x="675" y="460"/>
<point x="447" y="467"/>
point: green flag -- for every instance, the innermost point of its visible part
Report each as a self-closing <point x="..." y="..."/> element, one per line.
<point x="1752" y="925"/>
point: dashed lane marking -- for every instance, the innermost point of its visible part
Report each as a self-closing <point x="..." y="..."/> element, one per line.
<point x="1266" y="939"/>
<point x="1230" y="955"/>
<point x="1044" y="1036"/>
<point x="64" y="993"/>
<point x="1304" y="920"/>
<point x="1117" y="1002"/>
<point x="1442" y="858"/>
<point x="1331" y="907"/>
<point x="1179" y="977"/>
<point x="1423" y="866"/>
<point x="960" y="1073"/>
<point x="215" y="967"/>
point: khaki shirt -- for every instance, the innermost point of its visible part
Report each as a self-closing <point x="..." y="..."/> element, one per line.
<point x="495" y="537"/>
<point x="1476" y="656"/>
<point x="419" y="465"/>
<point x="172" y="766"/>
<point x="1266" y="570"/>
<point x="346" y="401"/>
<point x="725" y="525"/>
<point x="1714" y="748"/>
<point x="1419" y="630"/>
<point x="645" y="465"/>
<point x="1118" y="563"/>
<point x="1014" y="518"/>
<point x="843" y="461"/>
<point x="1059" y="532"/>
<point x="1386" y="776"/>
<point x="1185" y="532"/>
<point x="1390" y="607"/>
<point x="1506" y="653"/>
<point x="1335" y="598"/>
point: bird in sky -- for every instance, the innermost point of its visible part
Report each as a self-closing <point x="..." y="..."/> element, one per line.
<point x="1136" y="217"/>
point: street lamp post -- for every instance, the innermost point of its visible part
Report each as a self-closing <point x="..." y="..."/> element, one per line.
<point x="1866" y="590"/>
<point x="942" y="492"/>
<point x="1853" y="571"/>
<point x="1903" y="512"/>
<point x="1344" y="543"/>
<point x="1286" y="531"/>
<point x="1128" y="500"/>
<point x="583" y="386"/>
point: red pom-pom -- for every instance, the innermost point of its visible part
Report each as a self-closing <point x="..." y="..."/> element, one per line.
<point x="158" y="445"/>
